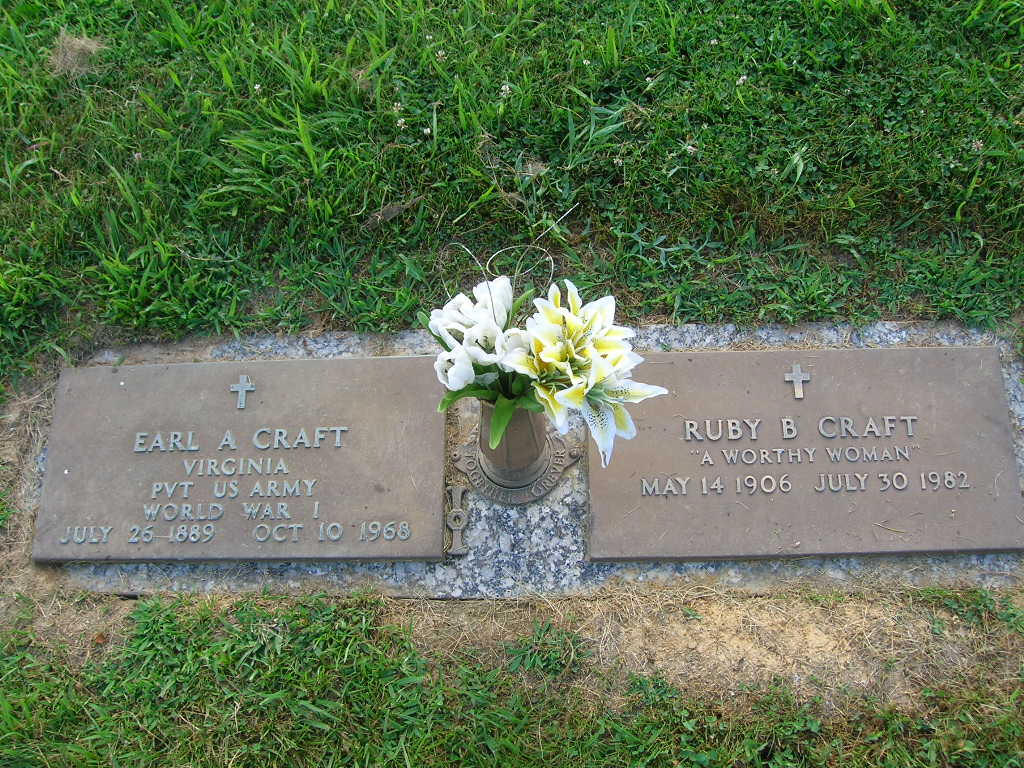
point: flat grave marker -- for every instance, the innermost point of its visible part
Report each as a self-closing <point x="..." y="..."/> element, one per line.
<point x="269" y="460"/>
<point x="812" y="452"/>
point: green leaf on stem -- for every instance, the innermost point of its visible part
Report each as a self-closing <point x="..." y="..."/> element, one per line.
<point x="517" y="305"/>
<point x="504" y="409"/>
<point x="470" y="391"/>
<point x="529" y="402"/>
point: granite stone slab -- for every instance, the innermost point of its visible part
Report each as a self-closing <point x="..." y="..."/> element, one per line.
<point x="245" y="461"/>
<point x="812" y="451"/>
<point x="541" y="548"/>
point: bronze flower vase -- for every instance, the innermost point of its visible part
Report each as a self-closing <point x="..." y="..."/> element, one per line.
<point x="525" y="466"/>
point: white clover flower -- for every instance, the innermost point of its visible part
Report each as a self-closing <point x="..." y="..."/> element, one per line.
<point x="400" y="123"/>
<point x="506" y="91"/>
<point x="426" y="131"/>
<point x="742" y="79"/>
<point x="586" y="62"/>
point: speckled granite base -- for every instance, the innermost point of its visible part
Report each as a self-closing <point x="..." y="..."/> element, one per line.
<point x="540" y="548"/>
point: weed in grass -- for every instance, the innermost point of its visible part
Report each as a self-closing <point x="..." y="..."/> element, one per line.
<point x="652" y="691"/>
<point x="976" y="606"/>
<point x="548" y="651"/>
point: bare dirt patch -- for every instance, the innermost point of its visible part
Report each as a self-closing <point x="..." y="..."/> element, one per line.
<point x="23" y="423"/>
<point x="717" y="644"/>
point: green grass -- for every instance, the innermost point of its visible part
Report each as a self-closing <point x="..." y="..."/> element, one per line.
<point x="976" y="606"/>
<point x="324" y="683"/>
<point x="707" y="161"/>
<point x="6" y="509"/>
<point x="547" y="651"/>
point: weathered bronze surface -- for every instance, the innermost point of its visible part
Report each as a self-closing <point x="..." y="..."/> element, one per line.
<point x="801" y="452"/>
<point x="523" y="453"/>
<point x="273" y="460"/>
<point x="525" y="466"/>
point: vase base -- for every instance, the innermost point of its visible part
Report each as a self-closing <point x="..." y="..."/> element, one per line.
<point x="467" y="459"/>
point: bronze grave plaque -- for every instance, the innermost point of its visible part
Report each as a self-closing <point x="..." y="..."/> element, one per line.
<point x="274" y="460"/>
<point x="811" y="452"/>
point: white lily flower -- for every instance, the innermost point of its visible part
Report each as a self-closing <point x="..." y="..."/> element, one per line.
<point x="481" y="341"/>
<point x="606" y="416"/>
<point x="573" y="353"/>
<point x="455" y="368"/>
<point x="449" y="325"/>
<point x="493" y="300"/>
<point x="513" y="348"/>
<point x="581" y="360"/>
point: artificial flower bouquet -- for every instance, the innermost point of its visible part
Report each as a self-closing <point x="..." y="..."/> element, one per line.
<point x="571" y="356"/>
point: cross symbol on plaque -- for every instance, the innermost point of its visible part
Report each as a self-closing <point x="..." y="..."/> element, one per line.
<point x="797" y="377"/>
<point x="244" y="385"/>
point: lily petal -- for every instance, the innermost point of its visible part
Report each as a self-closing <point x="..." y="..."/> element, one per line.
<point x="554" y="353"/>
<point x="629" y="391"/>
<point x="605" y="345"/>
<point x="556" y="411"/>
<point x="554" y="295"/>
<point x="624" y="426"/>
<point x="543" y="333"/>
<point x="600" y="370"/>
<point x="573" y="397"/>
<point x="618" y="332"/>
<point x="573" y="297"/>
<point x="520" y="361"/>
<point x="601" y="423"/>
<point x="549" y="310"/>
<point x="602" y="311"/>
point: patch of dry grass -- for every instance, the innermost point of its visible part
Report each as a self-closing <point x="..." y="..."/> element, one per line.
<point x="715" y="644"/>
<point x="73" y="56"/>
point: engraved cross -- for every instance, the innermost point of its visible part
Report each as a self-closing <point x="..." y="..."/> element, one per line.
<point x="244" y="385"/>
<point x="797" y="377"/>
